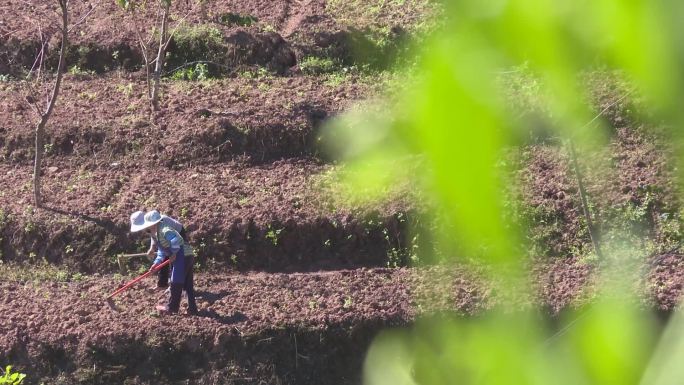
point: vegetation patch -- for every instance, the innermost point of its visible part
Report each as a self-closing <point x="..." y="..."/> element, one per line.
<point x="39" y="271"/>
<point x="314" y="65"/>
<point x="196" y="43"/>
<point x="231" y="19"/>
<point x="415" y="14"/>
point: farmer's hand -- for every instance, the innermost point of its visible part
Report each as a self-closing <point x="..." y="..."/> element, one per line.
<point x="153" y="266"/>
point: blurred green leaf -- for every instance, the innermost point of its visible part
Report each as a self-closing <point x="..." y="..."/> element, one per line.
<point x="453" y="119"/>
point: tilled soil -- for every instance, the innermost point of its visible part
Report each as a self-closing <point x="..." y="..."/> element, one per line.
<point x="106" y="120"/>
<point x="269" y="217"/>
<point x="214" y="157"/>
<point x="635" y="171"/>
<point x="286" y="328"/>
<point x="271" y="34"/>
<point x="290" y="328"/>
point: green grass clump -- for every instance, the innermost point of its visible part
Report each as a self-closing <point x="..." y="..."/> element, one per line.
<point x="39" y="272"/>
<point x="236" y="19"/>
<point x="313" y="65"/>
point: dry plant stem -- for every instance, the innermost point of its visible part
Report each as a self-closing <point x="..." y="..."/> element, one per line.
<point x="593" y="233"/>
<point x="159" y="65"/>
<point x="40" y="58"/>
<point x="40" y="127"/>
<point x="85" y="16"/>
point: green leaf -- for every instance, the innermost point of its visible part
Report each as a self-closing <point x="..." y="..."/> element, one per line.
<point x="125" y="4"/>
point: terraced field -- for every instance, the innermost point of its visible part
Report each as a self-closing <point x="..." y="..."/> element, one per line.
<point x="293" y="282"/>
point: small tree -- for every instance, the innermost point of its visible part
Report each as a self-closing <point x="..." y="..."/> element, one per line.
<point x="153" y="79"/>
<point x="44" y="114"/>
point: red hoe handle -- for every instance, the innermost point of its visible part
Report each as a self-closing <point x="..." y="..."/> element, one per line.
<point x="133" y="282"/>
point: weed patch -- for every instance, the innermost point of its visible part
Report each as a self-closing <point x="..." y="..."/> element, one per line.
<point x="193" y="44"/>
<point x="231" y="19"/>
<point x="314" y="65"/>
<point x="40" y="271"/>
<point x="198" y="72"/>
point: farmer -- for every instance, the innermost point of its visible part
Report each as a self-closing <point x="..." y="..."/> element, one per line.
<point x="163" y="281"/>
<point x="170" y="245"/>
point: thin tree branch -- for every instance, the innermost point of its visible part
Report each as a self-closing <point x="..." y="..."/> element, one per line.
<point x="145" y="53"/>
<point x="6" y="35"/>
<point x="593" y="233"/>
<point x="178" y="23"/>
<point x="40" y="57"/>
<point x="199" y="62"/>
<point x="82" y="19"/>
<point x="60" y="65"/>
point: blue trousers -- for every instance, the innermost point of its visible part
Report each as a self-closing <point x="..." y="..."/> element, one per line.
<point x="182" y="278"/>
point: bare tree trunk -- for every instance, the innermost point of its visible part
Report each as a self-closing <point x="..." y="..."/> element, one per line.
<point x="40" y="134"/>
<point x="40" y="128"/>
<point x="145" y="53"/>
<point x="593" y="233"/>
<point x="159" y="66"/>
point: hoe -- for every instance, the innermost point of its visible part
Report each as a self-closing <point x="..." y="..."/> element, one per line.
<point x="109" y="299"/>
<point x="127" y="256"/>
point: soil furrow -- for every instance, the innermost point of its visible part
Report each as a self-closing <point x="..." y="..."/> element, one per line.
<point x="271" y="217"/>
<point x="200" y="123"/>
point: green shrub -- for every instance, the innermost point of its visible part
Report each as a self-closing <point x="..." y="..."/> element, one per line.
<point x="200" y="71"/>
<point x="235" y="19"/>
<point x="193" y="44"/>
<point x="313" y="65"/>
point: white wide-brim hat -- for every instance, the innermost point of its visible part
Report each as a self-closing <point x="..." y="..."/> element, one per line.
<point x="141" y="221"/>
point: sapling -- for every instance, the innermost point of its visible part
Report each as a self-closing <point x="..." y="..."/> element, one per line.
<point x="44" y="114"/>
<point x="153" y="79"/>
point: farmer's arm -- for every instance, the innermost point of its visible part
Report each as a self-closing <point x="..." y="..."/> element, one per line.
<point x="169" y="244"/>
<point x="153" y="247"/>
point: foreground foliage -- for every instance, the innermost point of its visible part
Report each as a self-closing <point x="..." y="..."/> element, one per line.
<point x="456" y="120"/>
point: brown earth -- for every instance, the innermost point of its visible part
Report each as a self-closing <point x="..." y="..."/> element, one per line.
<point x="271" y="34"/>
<point x="285" y="328"/>
<point x="243" y="203"/>
<point x="333" y="317"/>
<point x="635" y="172"/>
<point x="105" y="120"/>
<point x="239" y="161"/>
<point x="231" y="201"/>
<point x="264" y="217"/>
<point x="277" y="328"/>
